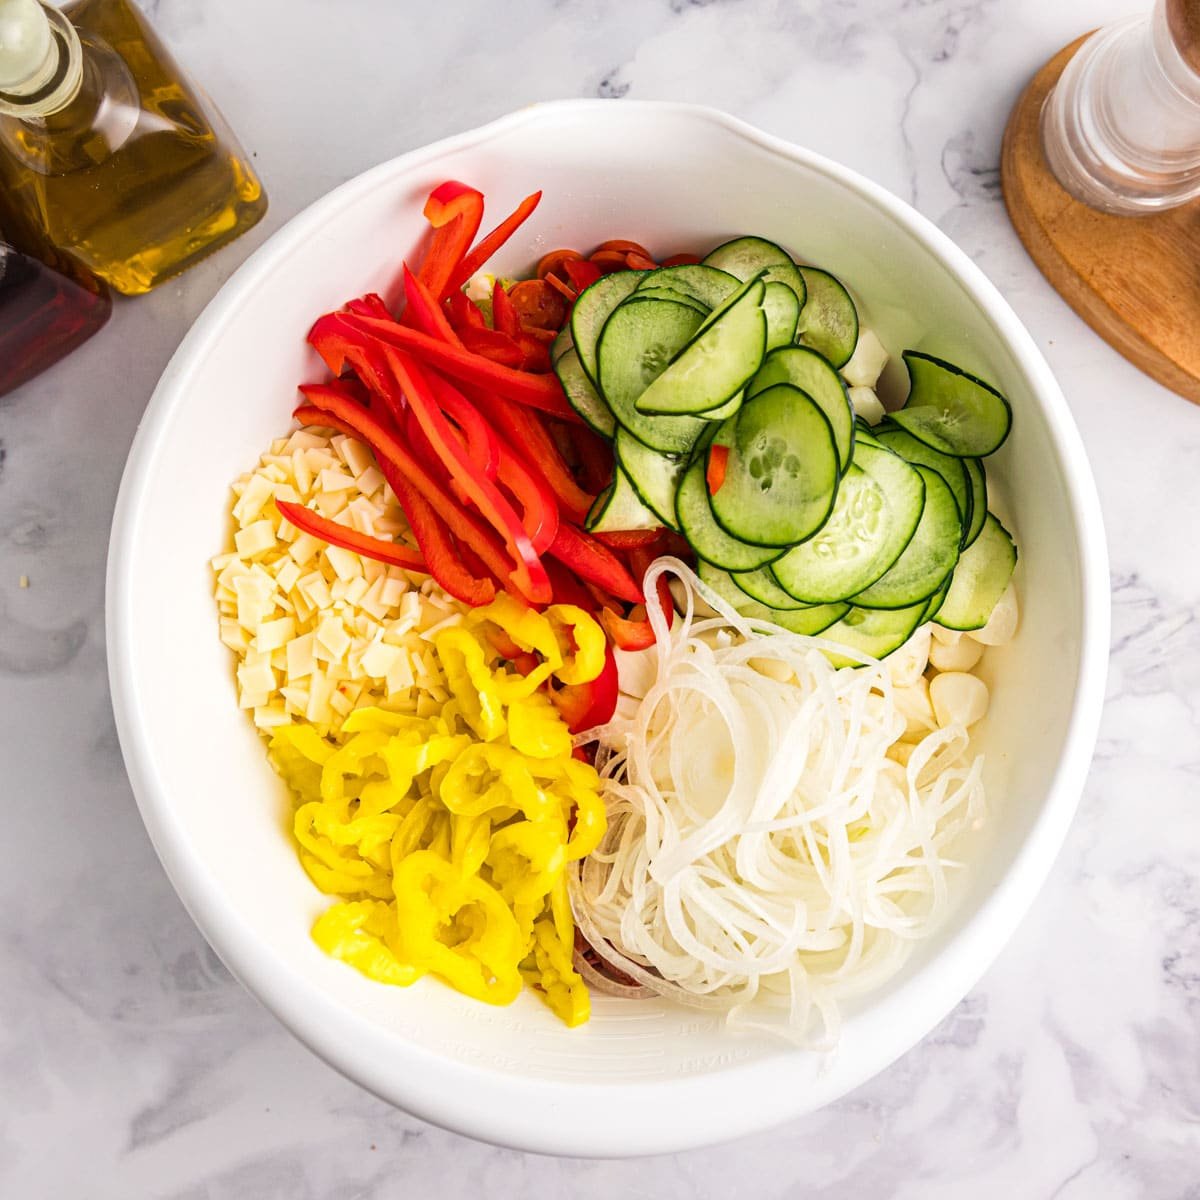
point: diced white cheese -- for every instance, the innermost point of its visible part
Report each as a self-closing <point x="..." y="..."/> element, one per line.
<point x="256" y="538"/>
<point x="867" y="362"/>
<point x="867" y="405"/>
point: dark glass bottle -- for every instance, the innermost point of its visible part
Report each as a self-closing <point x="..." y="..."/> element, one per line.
<point x="110" y="151"/>
<point x="44" y="315"/>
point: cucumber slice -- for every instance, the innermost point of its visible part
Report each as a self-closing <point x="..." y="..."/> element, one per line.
<point x="952" y="470"/>
<point x="582" y="397"/>
<point x="811" y="373"/>
<point x="760" y="585"/>
<point x="782" y="307"/>
<point x="935" y="601"/>
<point x="725" y="410"/>
<point x="593" y="308"/>
<point x="696" y="522"/>
<point x="782" y="473"/>
<point x="952" y="411"/>
<point x="620" y="507"/>
<point x="655" y="477"/>
<point x="562" y="343"/>
<point x="875" y="515"/>
<point x="668" y="293"/>
<point x="746" y="257"/>
<point x="829" y="320"/>
<point x="637" y="343"/>
<point x="808" y="621"/>
<point x="980" y="578"/>
<point x="706" y="284"/>
<point x="876" y="632"/>
<point x="719" y="361"/>
<point x="929" y="557"/>
<point x="977" y="478"/>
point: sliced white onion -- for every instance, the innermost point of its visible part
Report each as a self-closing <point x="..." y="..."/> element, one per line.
<point x="765" y="857"/>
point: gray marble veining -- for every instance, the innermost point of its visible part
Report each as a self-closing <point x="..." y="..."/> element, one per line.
<point x="132" y="1065"/>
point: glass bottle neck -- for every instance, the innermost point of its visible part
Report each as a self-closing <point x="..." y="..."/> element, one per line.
<point x="56" y="83"/>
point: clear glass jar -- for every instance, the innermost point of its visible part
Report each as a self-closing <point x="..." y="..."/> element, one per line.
<point x="1121" y="128"/>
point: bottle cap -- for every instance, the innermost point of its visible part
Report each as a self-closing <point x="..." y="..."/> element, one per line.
<point x="28" y="56"/>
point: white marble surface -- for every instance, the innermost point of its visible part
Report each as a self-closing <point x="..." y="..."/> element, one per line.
<point x="132" y="1065"/>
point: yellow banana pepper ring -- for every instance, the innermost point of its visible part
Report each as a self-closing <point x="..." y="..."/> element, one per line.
<point x="477" y="951"/>
<point x="354" y="932"/>
<point x="536" y="729"/>
<point x="471" y="682"/>
<point x="586" y="661"/>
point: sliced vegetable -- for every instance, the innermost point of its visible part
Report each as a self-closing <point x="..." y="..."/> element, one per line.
<point x="952" y="411"/>
<point x="781" y="474"/>
<point x="980" y="578"/>
<point x="828" y="320"/>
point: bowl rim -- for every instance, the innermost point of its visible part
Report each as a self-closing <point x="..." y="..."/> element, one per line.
<point x="513" y="1111"/>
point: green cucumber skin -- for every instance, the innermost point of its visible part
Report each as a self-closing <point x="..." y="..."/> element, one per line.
<point x="980" y="579"/>
<point x="590" y="314"/>
<point x="935" y="388"/>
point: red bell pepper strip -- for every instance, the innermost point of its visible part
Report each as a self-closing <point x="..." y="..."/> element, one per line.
<point x="434" y="538"/>
<point x="714" y="473"/>
<point x="370" y="305"/>
<point x="530" y="575"/>
<point x="390" y="453"/>
<point x="425" y="312"/>
<point x="493" y="345"/>
<point x="543" y="392"/>
<point x="308" y="521"/>
<point x="635" y="632"/>
<point x="464" y="312"/>
<point x="504" y="316"/>
<point x="625" y="539"/>
<point x="589" y="454"/>
<point x="338" y="341"/>
<point x="581" y="274"/>
<point x="535" y="353"/>
<point x="528" y="437"/>
<point x="489" y="245"/>
<point x="539" y="512"/>
<point x="455" y="211"/>
<point x="592" y="561"/>
<point x="586" y="705"/>
<point x="568" y="589"/>
<point x="482" y="444"/>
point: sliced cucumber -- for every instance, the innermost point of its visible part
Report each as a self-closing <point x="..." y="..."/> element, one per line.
<point x="562" y="343"/>
<point x="696" y="522"/>
<point x="828" y="320"/>
<point x="781" y="476"/>
<point x="669" y="293"/>
<point x="876" y="632"/>
<point x="582" y="397"/>
<point x="637" y="343"/>
<point x="746" y="257"/>
<point x="593" y="308"/>
<point x="808" y="621"/>
<point x="725" y="410"/>
<point x="718" y="362"/>
<point x="952" y="470"/>
<point x="935" y="601"/>
<point x="706" y="284"/>
<point x="811" y="373"/>
<point x="977" y="478"/>
<point x="929" y="557"/>
<point x="980" y="578"/>
<point x="782" y="307"/>
<point x="620" y="507"/>
<point x="952" y="411"/>
<point x="878" y="508"/>
<point x="760" y="585"/>
<point x="655" y="476"/>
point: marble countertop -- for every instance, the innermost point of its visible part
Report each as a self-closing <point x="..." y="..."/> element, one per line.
<point x="131" y="1063"/>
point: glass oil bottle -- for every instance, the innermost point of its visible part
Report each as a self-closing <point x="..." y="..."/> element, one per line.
<point x="109" y="150"/>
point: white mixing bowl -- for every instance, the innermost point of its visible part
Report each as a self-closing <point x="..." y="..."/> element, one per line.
<point x="641" y="1077"/>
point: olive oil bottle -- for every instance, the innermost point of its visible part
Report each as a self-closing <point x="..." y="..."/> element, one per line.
<point x="109" y="151"/>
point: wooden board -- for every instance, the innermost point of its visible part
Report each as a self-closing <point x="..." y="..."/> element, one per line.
<point x="1134" y="280"/>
